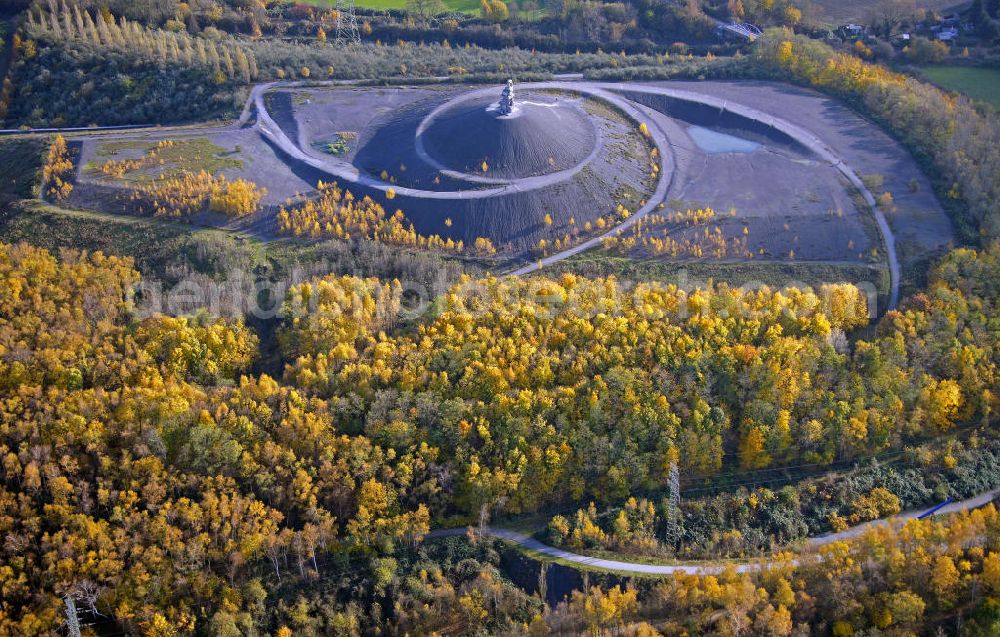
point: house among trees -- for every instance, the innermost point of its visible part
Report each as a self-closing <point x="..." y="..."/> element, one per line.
<point x="947" y="35"/>
<point x="852" y="32"/>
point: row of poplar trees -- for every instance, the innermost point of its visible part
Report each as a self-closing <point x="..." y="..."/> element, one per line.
<point x="228" y="60"/>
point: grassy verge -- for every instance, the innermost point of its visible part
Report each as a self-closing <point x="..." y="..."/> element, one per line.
<point x="153" y="243"/>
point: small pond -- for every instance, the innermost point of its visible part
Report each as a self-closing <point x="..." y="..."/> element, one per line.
<point x="714" y="142"/>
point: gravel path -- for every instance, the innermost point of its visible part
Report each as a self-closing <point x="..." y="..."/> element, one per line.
<point x="344" y="170"/>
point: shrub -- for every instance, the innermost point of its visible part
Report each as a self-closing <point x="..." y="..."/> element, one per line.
<point x="58" y="170"/>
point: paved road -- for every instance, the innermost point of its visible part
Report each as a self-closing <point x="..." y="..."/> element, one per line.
<point x="707" y="568"/>
<point x="532" y="544"/>
<point x="971" y="503"/>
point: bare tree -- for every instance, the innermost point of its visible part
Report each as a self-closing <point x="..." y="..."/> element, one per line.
<point x="886" y="15"/>
<point x="87" y="592"/>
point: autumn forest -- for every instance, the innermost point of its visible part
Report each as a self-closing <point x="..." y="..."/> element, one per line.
<point x="229" y="412"/>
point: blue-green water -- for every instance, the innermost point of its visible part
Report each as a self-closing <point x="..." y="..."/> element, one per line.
<point x="714" y="142"/>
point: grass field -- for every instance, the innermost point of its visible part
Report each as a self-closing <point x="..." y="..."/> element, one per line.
<point x="978" y="83"/>
<point x="185" y="155"/>
<point x="464" y="6"/>
<point x="836" y="12"/>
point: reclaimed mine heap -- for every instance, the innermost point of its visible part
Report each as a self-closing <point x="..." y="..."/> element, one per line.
<point x="538" y="135"/>
<point x="458" y="167"/>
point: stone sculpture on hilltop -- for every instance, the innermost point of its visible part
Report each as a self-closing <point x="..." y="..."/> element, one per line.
<point x="507" y="99"/>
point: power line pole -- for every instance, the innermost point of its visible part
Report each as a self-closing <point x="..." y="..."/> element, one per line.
<point x="71" y="617"/>
<point x="674" y="506"/>
<point x="347" y="23"/>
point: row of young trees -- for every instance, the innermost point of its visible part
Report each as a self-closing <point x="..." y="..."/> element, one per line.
<point x="191" y="193"/>
<point x="336" y="214"/>
<point x="118" y="168"/>
<point x="192" y="16"/>
<point x="227" y="60"/>
<point x="65" y="83"/>
<point x="73" y="66"/>
<point x="58" y="171"/>
<point x="652" y="235"/>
